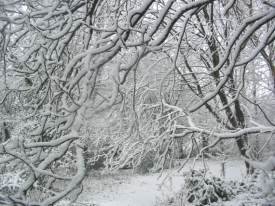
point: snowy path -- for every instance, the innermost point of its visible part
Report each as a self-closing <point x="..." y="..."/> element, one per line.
<point x="133" y="190"/>
<point x="124" y="189"/>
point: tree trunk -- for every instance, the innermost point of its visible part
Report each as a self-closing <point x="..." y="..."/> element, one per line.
<point x="236" y="120"/>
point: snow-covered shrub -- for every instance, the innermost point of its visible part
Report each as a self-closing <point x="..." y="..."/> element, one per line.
<point x="200" y="190"/>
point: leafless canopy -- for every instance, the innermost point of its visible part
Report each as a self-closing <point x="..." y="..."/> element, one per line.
<point x="66" y="62"/>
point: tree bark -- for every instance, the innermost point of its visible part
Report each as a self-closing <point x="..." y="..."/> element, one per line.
<point x="236" y="119"/>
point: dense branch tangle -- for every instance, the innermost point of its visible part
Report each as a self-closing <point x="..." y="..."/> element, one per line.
<point x="76" y="56"/>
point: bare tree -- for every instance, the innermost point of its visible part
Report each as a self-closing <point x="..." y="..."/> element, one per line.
<point x="66" y="62"/>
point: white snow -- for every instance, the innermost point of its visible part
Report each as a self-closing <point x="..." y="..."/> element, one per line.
<point x="126" y="189"/>
<point x="134" y="190"/>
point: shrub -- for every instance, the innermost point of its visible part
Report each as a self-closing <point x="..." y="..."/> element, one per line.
<point x="200" y="190"/>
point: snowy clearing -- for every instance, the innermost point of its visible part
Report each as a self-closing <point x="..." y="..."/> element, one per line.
<point x="126" y="189"/>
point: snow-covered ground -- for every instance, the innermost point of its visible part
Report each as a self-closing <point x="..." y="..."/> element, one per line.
<point x="126" y="189"/>
<point x="133" y="190"/>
